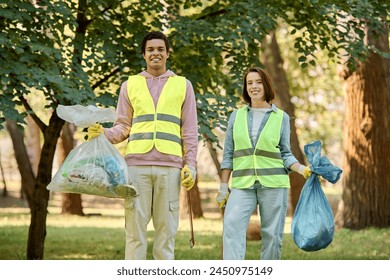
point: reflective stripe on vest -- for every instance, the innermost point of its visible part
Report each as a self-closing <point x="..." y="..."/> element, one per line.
<point x="263" y="163"/>
<point x="156" y="127"/>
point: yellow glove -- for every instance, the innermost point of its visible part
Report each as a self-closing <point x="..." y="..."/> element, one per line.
<point x="94" y="131"/>
<point x="188" y="175"/>
<point x="306" y="172"/>
<point x="223" y="195"/>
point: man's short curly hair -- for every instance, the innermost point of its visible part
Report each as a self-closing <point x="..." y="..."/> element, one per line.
<point x="154" y="35"/>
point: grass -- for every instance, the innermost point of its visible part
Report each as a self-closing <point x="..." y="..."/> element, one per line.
<point x="102" y="237"/>
<point x="100" y="234"/>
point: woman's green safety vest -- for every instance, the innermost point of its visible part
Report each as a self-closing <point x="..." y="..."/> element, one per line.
<point x="263" y="163"/>
<point x="158" y="126"/>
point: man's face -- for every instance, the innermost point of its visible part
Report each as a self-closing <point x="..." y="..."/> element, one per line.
<point x="156" y="54"/>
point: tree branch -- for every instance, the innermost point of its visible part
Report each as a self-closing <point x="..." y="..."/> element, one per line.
<point x="31" y="112"/>
<point x="101" y="14"/>
<point x="213" y="14"/>
<point x="106" y="77"/>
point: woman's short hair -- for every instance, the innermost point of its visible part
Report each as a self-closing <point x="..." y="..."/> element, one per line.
<point x="154" y="35"/>
<point x="269" y="91"/>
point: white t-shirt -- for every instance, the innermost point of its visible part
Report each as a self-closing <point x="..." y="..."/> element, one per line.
<point x="257" y="117"/>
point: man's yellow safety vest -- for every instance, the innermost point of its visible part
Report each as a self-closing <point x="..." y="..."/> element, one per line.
<point x="263" y="163"/>
<point x="156" y="126"/>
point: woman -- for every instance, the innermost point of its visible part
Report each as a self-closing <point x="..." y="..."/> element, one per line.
<point x="257" y="153"/>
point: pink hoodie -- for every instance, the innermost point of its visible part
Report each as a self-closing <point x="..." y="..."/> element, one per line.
<point x="121" y="129"/>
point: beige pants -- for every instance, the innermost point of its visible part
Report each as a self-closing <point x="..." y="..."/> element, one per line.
<point x="158" y="188"/>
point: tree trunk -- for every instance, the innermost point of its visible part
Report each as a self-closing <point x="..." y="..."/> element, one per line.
<point x="366" y="138"/>
<point x="273" y="62"/>
<point x="213" y="154"/>
<point x="71" y="202"/>
<point x="37" y="230"/>
<point x="33" y="143"/>
<point x="23" y="161"/>
<point x="5" y="191"/>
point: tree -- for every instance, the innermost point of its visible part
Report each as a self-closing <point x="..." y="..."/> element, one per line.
<point x="192" y="196"/>
<point x="5" y="191"/>
<point x="71" y="202"/>
<point x="274" y="64"/>
<point x="366" y="138"/>
<point x="66" y="66"/>
<point x="79" y="52"/>
<point x="22" y="159"/>
<point x="33" y="144"/>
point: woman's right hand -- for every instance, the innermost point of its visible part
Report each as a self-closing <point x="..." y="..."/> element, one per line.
<point x="223" y="195"/>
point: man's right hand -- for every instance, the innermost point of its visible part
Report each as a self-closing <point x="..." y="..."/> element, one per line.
<point x="94" y="131"/>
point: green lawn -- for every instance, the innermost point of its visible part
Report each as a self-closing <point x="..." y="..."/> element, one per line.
<point x="101" y="237"/>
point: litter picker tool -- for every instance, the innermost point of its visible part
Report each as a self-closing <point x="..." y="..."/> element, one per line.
<point x="192" y="240"/>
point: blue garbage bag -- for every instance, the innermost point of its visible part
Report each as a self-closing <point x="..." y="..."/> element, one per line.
<point x="312" y="226"/>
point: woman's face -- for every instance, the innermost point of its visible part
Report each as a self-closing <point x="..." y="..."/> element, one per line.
<point x="254" y="86"/>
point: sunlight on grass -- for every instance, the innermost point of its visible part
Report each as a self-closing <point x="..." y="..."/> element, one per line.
<point x="85" y="221"/>
<point x="203" y="225"/>
<point x="79" y="257"/>
<point x="16" y="219"/>
<point x="209" y="185"/>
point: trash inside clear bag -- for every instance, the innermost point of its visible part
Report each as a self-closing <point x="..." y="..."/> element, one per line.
<point x="312" y="226"/>
<point x="94" y="167"/>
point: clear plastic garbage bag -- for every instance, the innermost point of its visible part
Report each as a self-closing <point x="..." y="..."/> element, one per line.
<point x="94" y="167"/>
<point x="85" y="116"/>
<point x="312" y="226"/>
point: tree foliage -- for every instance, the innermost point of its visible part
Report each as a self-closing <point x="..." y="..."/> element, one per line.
<point x="316" y="93"/>
<point x="79" y="52"/>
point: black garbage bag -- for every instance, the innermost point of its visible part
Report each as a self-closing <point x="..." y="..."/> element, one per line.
<point x="312" y="226"/>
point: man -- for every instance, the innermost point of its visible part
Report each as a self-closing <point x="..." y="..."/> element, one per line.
<point x="157" y="114"/>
